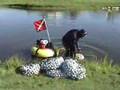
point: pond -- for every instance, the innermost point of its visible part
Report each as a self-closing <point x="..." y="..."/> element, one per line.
<point x="17" y="32"/>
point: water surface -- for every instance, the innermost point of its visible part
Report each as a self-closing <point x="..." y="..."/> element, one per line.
<point x="17" y="33"/>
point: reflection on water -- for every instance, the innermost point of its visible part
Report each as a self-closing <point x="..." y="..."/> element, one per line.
<point x="17" y="33"/>
<point x="111" y="16"/>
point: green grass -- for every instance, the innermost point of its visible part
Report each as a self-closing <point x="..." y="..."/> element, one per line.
<point x="60" y="4"/>
<point x="100" y="76"/>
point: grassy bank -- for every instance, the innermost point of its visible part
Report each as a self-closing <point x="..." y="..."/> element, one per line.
<point x="100" y="76"/>
<point x="59" y="4"/>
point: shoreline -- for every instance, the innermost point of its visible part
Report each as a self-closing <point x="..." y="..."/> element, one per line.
<point x="60" y="5"/>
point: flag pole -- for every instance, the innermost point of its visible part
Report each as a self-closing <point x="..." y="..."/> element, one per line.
<point x="47" y="30"/>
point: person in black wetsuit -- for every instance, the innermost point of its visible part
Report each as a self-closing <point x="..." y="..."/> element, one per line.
<point x="70" y="41"/>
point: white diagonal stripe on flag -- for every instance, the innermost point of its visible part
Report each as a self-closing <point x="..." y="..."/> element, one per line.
<point x="41" y="24"/>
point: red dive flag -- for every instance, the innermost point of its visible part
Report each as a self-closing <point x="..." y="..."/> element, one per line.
<point x="40" y="25"/>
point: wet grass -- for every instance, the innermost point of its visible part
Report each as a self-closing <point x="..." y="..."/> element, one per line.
<point x="59" y="4"/>
<point x="100" y="76"/>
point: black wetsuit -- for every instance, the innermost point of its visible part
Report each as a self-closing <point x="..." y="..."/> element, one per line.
<point x="70" y="41"/>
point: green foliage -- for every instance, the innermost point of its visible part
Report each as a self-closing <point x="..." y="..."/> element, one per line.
<point x="9" y="66"/>
<point x="101" y="75"/>
<point x="60" y="4"/>
<point x="13" y="62"/>
<point x="104" y="67"/>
